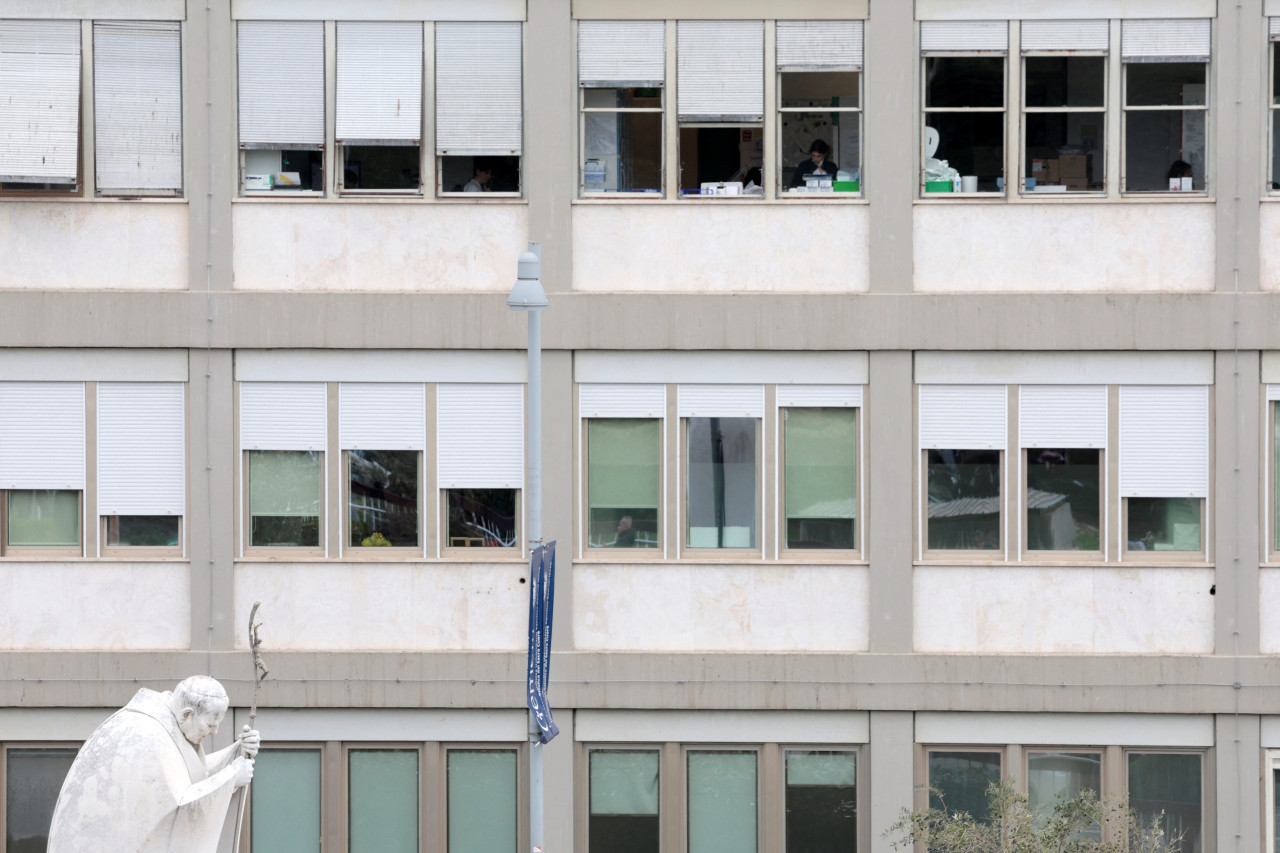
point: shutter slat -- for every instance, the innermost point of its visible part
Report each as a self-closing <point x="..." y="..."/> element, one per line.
<point x="42" y="435"/>
<point x="137" y="106"/>
<point x="720" y="70"/>
<point x="1169" y="40"/>
<point x="479" y="88"/>
<point x="617" y="54"/>
<point x="141" y="448"/>
<point x="1164" y="441"/>
<point x="964" y="36"/>
<point x="480" y="436"/>
<point x="622" y="401"/>
<point x="964" y="417"/>
<point x="379" y="94"/>
<point x="819" y="44"/>
<point x="281" y="75"/>
<point x="284" y="415"/>
<point x="1273" y="392"/>
<point x="1048" y="36"/>
<point x="1070" y="416"/>
<point x="726" y="401"/>
<point x="40" y="110"/>
<point x="1273" y="28"/>
<point x="820" y="395"/>
<point x="382" y="416"/>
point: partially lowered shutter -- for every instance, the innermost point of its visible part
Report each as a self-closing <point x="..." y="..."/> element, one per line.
<point x="382" y="416"/>
<point x="284" y="415"/>
<point x="964" y="417"/>
<point x="816" y="45"/>
<point x="820" y="395"/>
<point x="42" y="435"/>
<point x="720" y="401"/>
<point x="137" y="106"/>
<point x="622" y="401"/>
<point x="619" y="54"/>
<point x="281" y="80"/>
<point x="480" y="436"/>
<point x="720" y="70"/>
<point x="479" y="88"/>
<point x="964" y="36"/>
<point x="379" y="95"/>
<point x="40" y="107"/>
<point x="1173" y="40"/>
<point x="1064" y="36"/>
<point x="141" y="448"/>
<point x="1062" y="416"/>
<point x="1164" y="441"/>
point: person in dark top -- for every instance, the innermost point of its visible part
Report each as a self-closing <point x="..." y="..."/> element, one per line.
<point x="818" y="164"/>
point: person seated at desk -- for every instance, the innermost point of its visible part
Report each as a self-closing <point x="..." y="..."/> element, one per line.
<point x="480" y="179"/>
<point x="818" y="165"/>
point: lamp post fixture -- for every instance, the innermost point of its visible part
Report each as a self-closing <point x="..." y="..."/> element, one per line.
<point x="529" y="296"/>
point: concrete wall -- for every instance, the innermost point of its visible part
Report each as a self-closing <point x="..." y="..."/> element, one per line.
<point x="1269" y="247"/>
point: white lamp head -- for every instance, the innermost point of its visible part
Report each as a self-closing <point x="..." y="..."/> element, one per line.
<point x="528" y="295"/>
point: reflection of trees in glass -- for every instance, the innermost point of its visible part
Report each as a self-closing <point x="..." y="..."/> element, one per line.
<point x="482" y="517"/>
<point x="143" y="530"/>
<point x="958" y="781"/>
<point x="1063" y="499"/>
<point x="964" y="499"/>
<point x="384" y="495"/>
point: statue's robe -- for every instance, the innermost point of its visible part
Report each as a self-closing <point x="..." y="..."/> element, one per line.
<point x="139" y="786"/>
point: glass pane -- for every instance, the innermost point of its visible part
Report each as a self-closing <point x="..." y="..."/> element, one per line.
<point x="1275" y="72"/>
<point x="722" y="490"/>
<point x="482" y="800"/>
<point x="1052" y="776"/>
<point x="285" y="497"/>
<point x="624" y="802"/>
<point x="1163" y="144"/>
<point x="623" y="482"/>
<point x="44" y="517"/>
<point x="964" y="81"/>
<point x="1066" y="149"/>
<point x="483" y="518"/>
<point x="1164" y="524"/>
<point x="964" y="500"/>
<point x="383" y="800"/>
<point x="480" y="174"/>
<point x="1167" y="788"/>
<point x="970" y="143"/>
<point x="1157" y="84"/>
<point x="822" y="806"/>
<point x="383" y="501"/>
<point x="33" y="781"/>
<point x="722" y="802"/>
<point x="1064" y="494"/>
<point x="284" y="171"/>
<point x="623" y="150"/>
<point x="1066" y="81"/>
<point x="630" y="97"/>
<point x="961" y="779"/>
<point x="720" y="154"/>
<point x="286" y="801"/>
<point x="821" y="453"/>
<point x="812" y="91"/>
<point x="143" y="530"/>
<point x="381" y="167"/>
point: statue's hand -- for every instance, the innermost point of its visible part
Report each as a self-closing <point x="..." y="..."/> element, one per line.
<point x="250" y="742"/>
<point x="244" y="771"/>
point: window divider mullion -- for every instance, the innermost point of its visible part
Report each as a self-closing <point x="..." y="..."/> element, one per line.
<point x="1013" y="124"/>
<point x="88" y="146"/>
<point x="330" y="166"/>
<point x="671" y="119"/>
<point x="428" y="185"/>
<point x="1115" y="113"/>
<point x="335" y="525"/>
<point x="770" y="148"/>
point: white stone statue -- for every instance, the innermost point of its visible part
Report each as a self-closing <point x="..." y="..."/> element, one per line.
<point x="142" y="783"/>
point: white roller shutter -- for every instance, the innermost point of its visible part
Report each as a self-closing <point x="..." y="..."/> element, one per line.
<point x="1048" y="36"/>
<point x="964" y="36"/>
<point x="137" y="106"/>
<point x="1164" y="441"/>
<point x="622" y="401"/>
<point x="479" y="88"/>
<point x="141" y="448"/>
<point x="480" y="436"/>
<point x="720" y="70"/>
<point x="616" y="54"/>
<point x="815" y="45"/>
<point x="964" y="417"/>
<point x="723" y="401"/>
<point x="40" y="107"/>
<point x="284" y="415"/>
<point x="42" y="435"/>
<point x="1274" y="28"/>
<point x="820" y="395"/>
<point x="1068" y="416"/>
<point x="281" y="74"/>
<point x="379" y="98"/>
<point x="1273" y="392"/>
<point x="382" y="416"/>
<point x="1171" y="40"/>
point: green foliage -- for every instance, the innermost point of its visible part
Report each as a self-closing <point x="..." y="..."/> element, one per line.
<point x="1078" y="824"/>
<point x="377" y="539"/>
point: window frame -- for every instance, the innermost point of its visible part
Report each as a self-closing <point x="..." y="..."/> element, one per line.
<point x="583" y="784"/>
<point x="392" y="552"/>
<point x="1064" y="555"/>
<point x="859" y="522"/>
<point x="1126" y="110"/>
<point x="141" y="551"/>
<point x="1025" y="111"/>
<point x="590" y="551"/>
<point x="683" y="549"/>
<point x="584" y="110"/>
<point x="925" y="111"/>
<point x="1207" y="822"/>
<point x="922" y="795"/>
<point x="1271" y="176"/>
<point x="42" y="551"/>
<point x="275" y="552"/>
<point x="441" y="806"/>
<point x="1135" y="556"/>
<point x="481" y="552"/>
<point x="968" y="555"/>
<point x="757" y="751"/>
<point x="786" y="192"/>
<point x="324" y="748"/>
<point x="1270" y="766"/>
<point x="343" y="815"/>
<point x="7" y="746"/>
<point x="860" y="794"/>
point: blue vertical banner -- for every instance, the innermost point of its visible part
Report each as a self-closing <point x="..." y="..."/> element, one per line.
<point x="542" y="600"/>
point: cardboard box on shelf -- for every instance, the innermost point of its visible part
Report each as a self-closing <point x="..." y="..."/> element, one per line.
<point x="1052" y="172"/>
<point x="1073" y="166"/>
<point x="1076" y="184"/>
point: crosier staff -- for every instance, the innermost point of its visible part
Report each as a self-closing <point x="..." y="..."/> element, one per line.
<point x="260" y="673"/>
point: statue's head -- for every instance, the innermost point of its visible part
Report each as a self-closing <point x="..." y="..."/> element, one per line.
<point x="199" y="703"/>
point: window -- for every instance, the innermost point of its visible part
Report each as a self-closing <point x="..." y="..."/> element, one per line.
<point x="382" y="800"/>
<point x="286" y="785"/>
<point x="1064" y="91"/>
<point x="33" y="779"/>
<point x="482" y="792"/>
<point x="820" y="458"/>
<point x="382" y="429"/>
<point x="1168" y="787"/>
<point x="481" y="447"/>
<point x="621" y="85"/>
<point x="479" y="112"/>
<point x="42" y="468"/>
<point x="1166" y="105"/>
<point x="284" y="434"/>
<point x="43" y="155"/>
<point x="820" y="105"/>
<point x="624" y="459"/>
<point x="281" y="108"/>
<point x="964" y="105"/>
<point x="622" y="801"/>
<point x="1062" y="431"/>
<point x="958" y="781"/>
<point x="141" y="467"/>
<point x="1273" y="123"/>
<point x="723" y="800"/>
<point x="963" y="430"/>
<point x="821" y="800"/>
<point x="721" y="463"/>
<point x="379" y="106"/>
